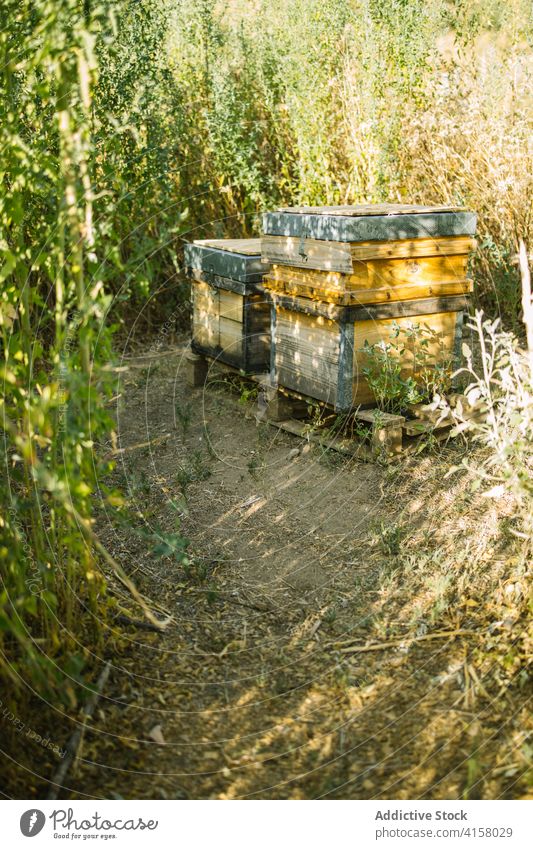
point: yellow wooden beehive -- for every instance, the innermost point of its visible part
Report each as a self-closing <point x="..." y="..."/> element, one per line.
<point x="341" y="277"/>
<point x="230" y="309"/>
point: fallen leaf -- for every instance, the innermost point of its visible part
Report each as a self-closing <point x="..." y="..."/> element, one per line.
<point x="156" y="734"/>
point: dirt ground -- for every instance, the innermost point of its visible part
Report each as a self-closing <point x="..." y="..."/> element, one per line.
<point x="297" y="554"/>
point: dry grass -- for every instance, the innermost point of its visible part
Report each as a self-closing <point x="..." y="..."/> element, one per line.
<point x="254" y="697"/>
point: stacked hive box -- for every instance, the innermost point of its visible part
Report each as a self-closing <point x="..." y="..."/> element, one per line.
<point x="342" y="276"/>
<point x="230" y="309"/>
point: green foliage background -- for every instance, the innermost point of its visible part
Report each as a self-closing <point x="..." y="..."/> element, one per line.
<point x="127" y="127"/>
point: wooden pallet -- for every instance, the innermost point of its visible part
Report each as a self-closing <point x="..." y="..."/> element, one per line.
<point x="382" y="436"/>
<point x="374" y="435"/>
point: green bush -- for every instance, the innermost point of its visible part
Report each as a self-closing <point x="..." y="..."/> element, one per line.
<point x="410" y="367"/>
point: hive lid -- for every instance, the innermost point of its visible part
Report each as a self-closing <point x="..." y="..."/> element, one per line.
<point x="364" y="209"/>
<point x="236" y="259"/>
<point x="248" y="247"/>
<point x="370" y="222"/>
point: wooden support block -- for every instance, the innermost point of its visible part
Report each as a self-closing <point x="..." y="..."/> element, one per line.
<point x="196" y="369"/>
<point x="275" y="406"/>
<point x="387" y="431"/>
<point x="387" y="440"/>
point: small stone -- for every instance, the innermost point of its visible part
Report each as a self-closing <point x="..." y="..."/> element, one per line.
<point x="293" y="453"/>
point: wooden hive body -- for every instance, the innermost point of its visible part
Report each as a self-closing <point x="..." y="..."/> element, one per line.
<point x="230" y="308"/>
<point x="317" y="347"/>
<point x="375" y="254"/>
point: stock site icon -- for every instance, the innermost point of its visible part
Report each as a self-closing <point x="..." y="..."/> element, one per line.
<point x="32" y="822"/>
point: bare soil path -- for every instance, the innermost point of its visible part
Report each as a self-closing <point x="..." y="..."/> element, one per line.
<point x="294" y="553"/>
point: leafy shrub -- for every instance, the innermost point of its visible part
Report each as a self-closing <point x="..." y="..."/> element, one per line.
<point x="61" y="254"/>
<point x="411" y="367"/>
<point x="500" y="386"/>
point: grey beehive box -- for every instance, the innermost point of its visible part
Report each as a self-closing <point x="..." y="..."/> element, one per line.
<point x="365" y="223"/>
<point x="230" y="308"/>
<point x="238" y="260"/>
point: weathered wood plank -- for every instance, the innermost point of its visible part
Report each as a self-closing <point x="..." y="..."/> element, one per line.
<point x="315" y="335"/>
<point x="230" y="305"/>
<point x="364" y="209"/>
<point x="248" y="247"/>
<point x="300" y="354"/>
<point x="382" y="295"/>
<point x="312" y="386"/>
<point x="307" y="354"/>
<point x="307" y="253"/>
<point x="341" y="256"/>
<point x="335" y="312"/>
<point x="318" y="371"/>
<point x="201" y="257"/>
<point x="409" y="309"/>
<point x="230" y="328"/>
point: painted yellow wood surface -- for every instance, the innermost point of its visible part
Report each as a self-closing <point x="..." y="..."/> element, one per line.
<point x="397" y="249"/>
<point x="341" y="256"/>
<point x="307" y="354"/>
<point x="217" y="317"/>
<point x="385" y="294"/>
<point x="440" y="350"/>
<point x="435" y="269"/>
<point x="375" y="274"/>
